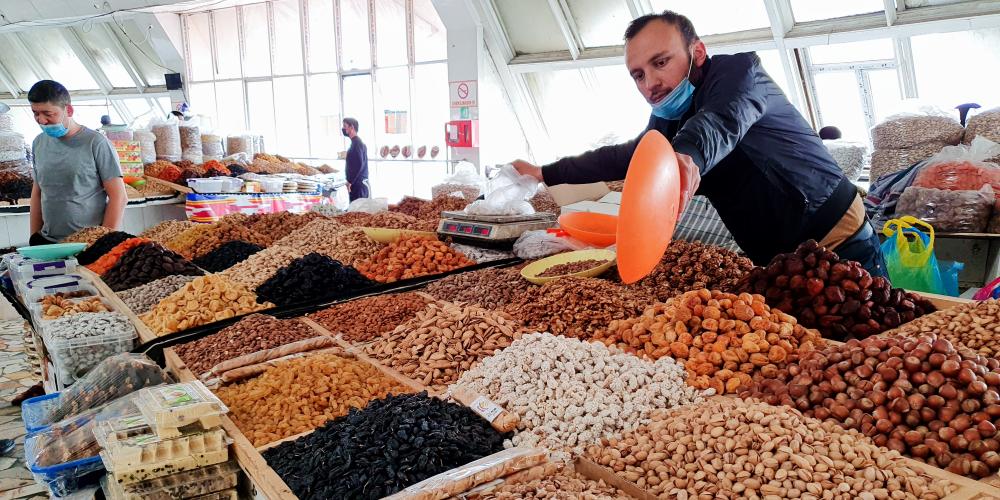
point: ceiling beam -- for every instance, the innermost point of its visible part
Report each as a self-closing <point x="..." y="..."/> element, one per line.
<point x="8" y="81"/>
<point x="119" y="51"/>
<point x="17" y="41"/>
<point x="779" y="12"/>
<point x="80" y="50"/>
<point x="890" y="11"/>
<point x="639" y="8"/>
<point x="563" y="21"/>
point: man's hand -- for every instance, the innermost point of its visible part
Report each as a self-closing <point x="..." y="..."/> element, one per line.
<point x="525" y="168"/>
<point x="690" y="179"/>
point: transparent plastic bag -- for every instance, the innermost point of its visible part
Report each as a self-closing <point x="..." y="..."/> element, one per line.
<point x="111" y="379"/>
<point x="369" y="205"/>
<point x="190" y="135"/>
<point x="542" y="243"/>
<point x="212" y="147"/>
<point x="168" y="139"/>
<point x="906" y="130"/>
<point x="962" y="168"/>
<point x="461" y="479"/>
<point x="948" y="211"/>
<point x="240" y="144"/>
<point x="889" y="161"/>
<point x="147" y="145"/>
<point x="510" y="198"/>
<point x="985" y="124"/>
<point x="465" y="181"/>
<point x="850" y="156"/>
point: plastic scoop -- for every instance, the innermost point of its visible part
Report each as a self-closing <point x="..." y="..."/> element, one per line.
<point x="650" y="205"/>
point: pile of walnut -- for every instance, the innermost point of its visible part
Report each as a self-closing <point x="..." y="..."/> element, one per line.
<point x="570" y="393"/>
<point x="56" y="307"/>
<point x="734" y="448"/>
<point x="725" y="338"/>
<point x="691" y="266"/>
<point x="975" y="325"/>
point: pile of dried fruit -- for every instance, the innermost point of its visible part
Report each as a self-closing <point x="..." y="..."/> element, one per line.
<point x="920" y="397"/>
<point x="312" y="278"/>
<point x="299" y="395"/>
<point x="227" y="255"/>
<point x="975" y="325"/>
<point x="101" y="246"/>
<point x="393" y="220"/>
<point x="383" y="448"/>
<point x="184" y="243"/>
<point x="694" y="265"/>
<point x="576" y="307"/>
<point x="409" y="206"/>
<point x="275" y="226"/>
<point x="108" y="260"/>
<point x="330" y="238"/>
<point x="725" y="447"/>
<point x="256" y="332"/>
<point x="724" y="338"/>
<point x="56" y="307"/>
<point x="411" y="257"/>
<point x="363" y="319"/>
<point x="571" y="268"/>
<point x="223" y="232"/>
<point x="444" y="340"/>
<point x="837" y="297"/>
<point x="142" y="298"/>
<point x="570" y="393"/>
<point x="260" y="266"/>
<point x="166" y="230"/>
<point x="147" y="263"/>
<point x="204" y="300"/>
<point x="354" y="219"/>
<point x="490" y="288"/>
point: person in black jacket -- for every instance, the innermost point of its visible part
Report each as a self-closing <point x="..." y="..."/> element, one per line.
<point x="739" y="142"/>
<point x="357" y="162"/>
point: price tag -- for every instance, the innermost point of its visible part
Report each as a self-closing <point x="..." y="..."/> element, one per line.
<point x="486" y="408"/>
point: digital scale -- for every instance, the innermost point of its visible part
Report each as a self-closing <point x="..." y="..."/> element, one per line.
<point x="492" y="230"/>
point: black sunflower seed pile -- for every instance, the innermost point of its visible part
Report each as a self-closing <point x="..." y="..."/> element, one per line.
<point x="227" y="255"/>
<point x="103" y="245"/>
<point x="146" y="263"/>
<point x="390" y="444"/>
<point x="314" y="277"/>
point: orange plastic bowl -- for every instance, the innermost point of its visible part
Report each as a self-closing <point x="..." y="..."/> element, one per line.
<point x="597" y="229"/>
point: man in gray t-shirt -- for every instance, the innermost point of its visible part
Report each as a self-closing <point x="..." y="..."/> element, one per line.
<point x="78" y="181"/>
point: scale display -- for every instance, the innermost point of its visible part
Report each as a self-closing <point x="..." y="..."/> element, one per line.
<point x="468" y="229"/>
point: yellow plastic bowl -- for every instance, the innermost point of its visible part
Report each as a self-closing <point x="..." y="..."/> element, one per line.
<point x="531" y="271"/>
<point x="383" y="235"/>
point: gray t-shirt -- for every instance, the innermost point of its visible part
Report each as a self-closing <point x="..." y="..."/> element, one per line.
<point x="71" y="173"/>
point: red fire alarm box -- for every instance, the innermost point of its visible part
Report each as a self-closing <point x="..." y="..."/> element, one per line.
<point x="462" y="133"/>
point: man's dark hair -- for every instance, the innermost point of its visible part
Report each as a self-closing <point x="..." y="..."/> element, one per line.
<point x="352" y="122"/>
<point x="49" y="91"/>
<point x="830" y="133"/>
<point x="682" y="23"/>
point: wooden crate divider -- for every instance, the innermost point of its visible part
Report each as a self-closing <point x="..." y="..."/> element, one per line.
<point x="168" y="184"/>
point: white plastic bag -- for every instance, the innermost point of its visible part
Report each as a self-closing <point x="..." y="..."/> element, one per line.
<point x="168" y="139"/>
<point x="541" y="243"/>
<point x="850" y="156"/>
<point x="369" y="205"/>
<point x="509" y="199"/>
<point x="926" y="124"/>
<point x="465" y="181"/>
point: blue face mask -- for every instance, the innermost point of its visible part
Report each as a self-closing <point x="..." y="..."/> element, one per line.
<point x="56" y="130"/>
<point x="676" y="103"/>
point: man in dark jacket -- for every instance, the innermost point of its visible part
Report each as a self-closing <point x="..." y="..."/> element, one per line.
<point x="357" y="162"/>
<point x="739" y="142"/>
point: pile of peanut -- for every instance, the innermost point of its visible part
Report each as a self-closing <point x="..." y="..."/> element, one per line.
<point x="975" y="325"/>
<point x="56" y="307"/>
<point x="262" y="265"/>
<point x="393" y="220"/>
<point x="328" y="237"/>
<point x="576" y="307"/>
<point x="734" y="448"/>
<point x="275" y="226"/>
<point x="724" y="338"/>
<point x="363" y="319"/>
<point x="490" y="288"/>
<point x="563" y="484"/>
<point x="443" y="341"/>
<point x="410" y="257"/>
<point x="204" y="300"/>
<point x="302" y="394"/>
<point x="570" y="393"/>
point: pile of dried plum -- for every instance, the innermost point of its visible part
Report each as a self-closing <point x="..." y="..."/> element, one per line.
<point x="147" y="263"/>
<point x="227" y="255"/>
<point x="390" y="444"/>
<point x="312" y="278"/>
<point x="103" y="245"/>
